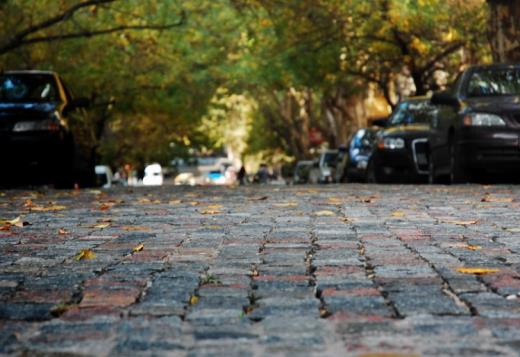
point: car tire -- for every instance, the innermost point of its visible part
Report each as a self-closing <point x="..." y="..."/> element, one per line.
<point x="432" y="176"/>
<point x="457" y="174"/>
<point x="371" y="173"/>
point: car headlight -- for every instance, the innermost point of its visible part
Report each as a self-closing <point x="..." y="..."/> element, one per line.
<point x="391" y="143"/>
<point x="483" y="119"/>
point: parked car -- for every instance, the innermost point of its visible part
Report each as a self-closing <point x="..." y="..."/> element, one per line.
<point x="477" y="127"/>
<point x="400" y="153"/>
<point x="341" y="164"/>
<point x="153" y="175"/>
<point x="104" y="176"/>
<point x="324" y="168"/>
<point x="35" y="109"/>
<point x="301" y="171"/>
<point x="359" y="151"/>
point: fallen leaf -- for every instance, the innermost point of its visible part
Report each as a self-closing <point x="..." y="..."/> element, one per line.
<point x="324" y="213"/>
<point x="324" y="313"/>
<point x="193" y="299"/>
<point x="285" y="204"/>
<point x="335" y="200"/>
<point x="135" y="228"/>
<point x="398" y="214"/>
<point x="248" y="309"/>
<point x="214" y="207"/>
<point x="210" y="211"/>
<point x="489" y="198"/>
<point x="17" y="222"/>
<point x="473" y="247"/>
<point x="85" y="254"/>
<point x="463" y="223"/>
<point x="28" y="204"/>
<point x="5" y="228"/>
<point x="51" y="208"/>
<point x="478" y="271"/>
<point x="62" y="232"/>
<point x="175" y="202"/>
<point x="106" y="206"/>
<point x="101" y="225"/>
<point x="259" y="198"/>
<point x="138" y="248"/>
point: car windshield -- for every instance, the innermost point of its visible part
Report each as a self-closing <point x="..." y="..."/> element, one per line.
<point x="28" y="88"/>
<point x="411" y="113"/>
<point x="494" y="82"/>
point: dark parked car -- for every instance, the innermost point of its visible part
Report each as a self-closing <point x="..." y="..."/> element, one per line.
<point x="359" y="151"/>
<point x="35" y="135"/>
<point x="477" y="127"/>
<point x="400" y="153"/>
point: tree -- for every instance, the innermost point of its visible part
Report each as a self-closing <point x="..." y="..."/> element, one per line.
<point x="504" y="30"/>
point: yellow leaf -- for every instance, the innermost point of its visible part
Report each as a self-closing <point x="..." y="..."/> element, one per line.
<point x="334" y="200"/>
<point x="175" y="202"/>
<point x="473" y="247"/>
<point x="85" y="254"/>
<point x="17" y="222"/>
<point x="138" y="248"/>
<point x="478" y="271"/>
<point x="194" y="299"/>
<point x="101" y="225"/>
<point x="463" y="223"/>
<point x="214" y="207"/>
<point x="324" y="213"/>
<point x="210" y="211"/>
<point x="48" y="208"/>
<point x="398" y="214"/>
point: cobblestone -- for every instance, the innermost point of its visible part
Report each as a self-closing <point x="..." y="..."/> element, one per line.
<point x="352" y="270"/>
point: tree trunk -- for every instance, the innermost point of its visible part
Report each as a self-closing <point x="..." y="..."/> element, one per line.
<point x="504" y="30"/>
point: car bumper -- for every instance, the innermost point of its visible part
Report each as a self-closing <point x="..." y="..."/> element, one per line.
<point x="490" y="150"/>
<point x="29" y="149"/>
<point x="398" y="165"/>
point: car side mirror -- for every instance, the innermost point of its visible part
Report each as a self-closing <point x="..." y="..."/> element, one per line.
<point x="444" y="98"/>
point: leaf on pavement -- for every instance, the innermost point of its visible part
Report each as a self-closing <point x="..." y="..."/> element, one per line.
<point x="285" y="204"/>
<point x="17" y="222"/>
<point x="473" y="247"/>
<point x="398" y="214"/>
<point x="106" y="206"/>
<point x="51" y="208"/>
<point x="259" y="198"/>
<point x="324" y="213"/>
<point x="175" y="202"/>
<point x="63" y="232"/>
<point x="478" y="271"/>
<point x="490" y="198"/>
<point x="210" y="211"/>
<point x="138" y="248"/>
<point x="214" y="207"/>
<point x="5" y="228"/>
<point x="136" y="228"/>
<point x="194" y="299"/>
<point x="463" y="223"/>
<point x="101" y="225"/>
<point x="334" y="200"/>
<point x="85" y="254"/>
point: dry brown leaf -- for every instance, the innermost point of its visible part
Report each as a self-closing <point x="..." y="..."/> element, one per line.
<point x="63" y="232"/>
<point x="489" y="198"/>
<point x="175" y="202"/>
<point x="478" y="271"/>
<point x="136" y="228"/>
<point x="259" y="198"/>
<point x="5" y="228"/>
<point x="17" y="222"/>
<point x="138" y="248"/>
<point x="106" y="206"/>
<point x="214" y="207"/>
<point x="324" y="213"/>
<point x="473" y="247"/>
<point x="85" y="254"/>
<point x="28" y="204"/>
<point x="335" y="200"/>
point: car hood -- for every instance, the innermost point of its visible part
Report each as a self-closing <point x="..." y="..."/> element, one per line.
<point x="408" y="131"/>
<point x="499" y="104"/>
<point x="33" y="110"/>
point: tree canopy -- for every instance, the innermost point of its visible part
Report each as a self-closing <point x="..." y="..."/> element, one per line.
<point x="184" y="74"/>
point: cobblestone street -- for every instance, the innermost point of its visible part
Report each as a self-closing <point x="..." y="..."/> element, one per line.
<point x="353" y="270"/>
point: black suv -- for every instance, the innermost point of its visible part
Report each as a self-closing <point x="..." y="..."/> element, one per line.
<point x="477" y="127"/>
<point x="400" y="152"/>
<point x="35" y="136"/>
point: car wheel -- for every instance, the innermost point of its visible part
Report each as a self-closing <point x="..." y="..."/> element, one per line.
<point x="456" y="169"/>
<point x="371" y="173"/>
